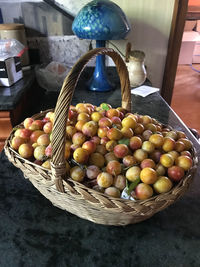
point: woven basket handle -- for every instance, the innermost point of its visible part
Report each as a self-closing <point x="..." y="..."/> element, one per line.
<point x="64" y="100"/>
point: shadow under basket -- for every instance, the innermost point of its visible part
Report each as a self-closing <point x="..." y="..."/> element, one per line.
<point x="73" y="196"/>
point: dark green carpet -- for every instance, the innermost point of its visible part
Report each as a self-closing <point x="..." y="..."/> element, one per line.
<point x="35" y="233"/>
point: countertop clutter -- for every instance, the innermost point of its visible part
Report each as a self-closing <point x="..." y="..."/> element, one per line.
<point x="35" y="233"/>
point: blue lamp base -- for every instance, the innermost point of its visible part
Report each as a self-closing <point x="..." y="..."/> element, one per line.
<point x="99" y="81"/>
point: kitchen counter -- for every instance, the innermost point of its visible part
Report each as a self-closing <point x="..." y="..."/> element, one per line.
<point x="35" y="233"/>
<point x="11" y="96"/>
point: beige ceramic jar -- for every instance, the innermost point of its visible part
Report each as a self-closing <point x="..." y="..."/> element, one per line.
<point x="136" y="68"/>
<point x="15" y="31"/>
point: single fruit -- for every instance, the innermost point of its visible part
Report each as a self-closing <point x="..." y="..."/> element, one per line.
<point x="90" y="128"/>
<point x="114" y="134"/>
<point x="157" y="140"/>
<point x="116" y="120"/>
<point x="135" y="142"/>
<point x="81" y="155"/>
<point x="179" y="146"/>
<point x="70" y="131"/>
<point x="129" y="161"/>
<point x="113" y="167"/>
<point x="46" y="164"/>
<point x="83" y="117"/>
<point x="133" y="173"/>
<point x="92" y="172"/>
<point x="148" y="175"/>
<point x="139" y="129"/>
<point x="160" y="169"/>
<point x="151" y="126"/>
<point x="119" y="182"/>
<point x="77" y="174"/>
<point x="28" y="122"/>
<point x="78" y="138"/>
<point x="155" y="155"/>
<point x="36" y="125"/>
<point x="166" y="160"/>
<point x="25" y="133"/>
<point x="147" y="163"/>
<point x="127" y="132"/>
<point x="39" y="153"/>
<point x="79" y="125"/>
<point x="146" y="134"/>
<point x="101" y="149"/>
<point x="90" y="146"/>
<point x="25" y="150"/>
<point x="43" y="140"/>
<point x="48" y="151"/>
<point x="112" y="191"/>
<point x="112" y="113"/>
<point x="140" y="155"/>
<point x="102" y="131"/>
<point x="16" y="142"/>
<point x="148" y="146"/>
<point x="184" y="162"/>
<point x="176" y="173"/>
<point x="143" y="191"/>
<point x="121" y="151"/>
<point x="104" y="179"/>
<point x="129" y="122"/>
<point x="95" y="139"/>
<point x="47" y="128"/>
<point x="169" y="144"/>
<point x="96" y="116"/>
<point x="162" y="185"/>
<point x="97" y="159"/>
<point x="146" y="119"/>
<point x="181" y="134"/>
<point x="105" y="122"/>
<point x="110" y="156"/>
<point x="172" y="134"/>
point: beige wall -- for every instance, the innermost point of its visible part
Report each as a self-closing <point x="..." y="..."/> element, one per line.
<point x="150" y="22"/>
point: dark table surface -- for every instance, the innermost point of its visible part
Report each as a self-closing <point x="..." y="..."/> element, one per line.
<point x="35" y="233"/>
<point x="10" y="96"/>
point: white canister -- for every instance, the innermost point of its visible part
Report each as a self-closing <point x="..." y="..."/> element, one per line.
<point x="15" y="31"/>
<point x="136" y="68"/>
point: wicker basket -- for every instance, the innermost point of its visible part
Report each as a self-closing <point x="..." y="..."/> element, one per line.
<point x="73" y="196"/>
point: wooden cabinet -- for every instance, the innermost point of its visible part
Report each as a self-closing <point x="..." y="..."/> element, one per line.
<point x="5" y="127"/>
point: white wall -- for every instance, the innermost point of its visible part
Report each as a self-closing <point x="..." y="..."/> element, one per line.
<point x="150" y="28"/>
<point x="71" y="6"/>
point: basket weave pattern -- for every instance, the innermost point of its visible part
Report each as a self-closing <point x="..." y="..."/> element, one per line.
<point x="73" y="196"/>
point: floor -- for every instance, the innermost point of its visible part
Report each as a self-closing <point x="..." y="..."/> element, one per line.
<point x="186" y="95"/>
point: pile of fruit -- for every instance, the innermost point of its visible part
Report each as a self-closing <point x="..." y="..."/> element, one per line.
<point x="111" y="150"/>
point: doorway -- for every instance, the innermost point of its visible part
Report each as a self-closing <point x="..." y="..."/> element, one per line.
<point x="186" y="92"/>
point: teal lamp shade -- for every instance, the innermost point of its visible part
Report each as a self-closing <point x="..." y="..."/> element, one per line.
<point x="100" y="20"/>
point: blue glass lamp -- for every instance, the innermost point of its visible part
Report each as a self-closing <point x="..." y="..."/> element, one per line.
<point x="100" y="20"/>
